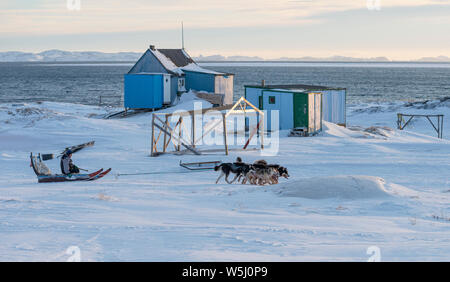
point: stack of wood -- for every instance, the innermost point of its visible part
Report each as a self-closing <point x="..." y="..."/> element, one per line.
<point x="215" y="99"/>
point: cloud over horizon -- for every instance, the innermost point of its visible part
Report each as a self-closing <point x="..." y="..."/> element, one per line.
<point x="400" y="29"/>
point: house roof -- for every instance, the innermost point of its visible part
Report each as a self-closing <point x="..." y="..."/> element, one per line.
<point x="296" y="87"/>
<point x="178" y="56"/>
<point x="175" y="61"/>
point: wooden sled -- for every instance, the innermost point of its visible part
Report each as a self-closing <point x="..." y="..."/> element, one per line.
<point x="200" y="165"/>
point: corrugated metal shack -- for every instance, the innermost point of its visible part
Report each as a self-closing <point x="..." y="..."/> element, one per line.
<point x="333" y="98"/>
<point x="294" y="108"/>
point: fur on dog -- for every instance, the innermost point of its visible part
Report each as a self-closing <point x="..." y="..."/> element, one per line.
<point x="258" y="173"/>
<point x="263" y="173"/>
<point x="238" y="168"/>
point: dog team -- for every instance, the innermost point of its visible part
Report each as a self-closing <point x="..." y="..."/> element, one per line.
<point x="258" y="173"/>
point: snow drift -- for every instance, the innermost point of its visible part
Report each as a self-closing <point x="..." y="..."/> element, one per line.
<point x="344" y="187"/>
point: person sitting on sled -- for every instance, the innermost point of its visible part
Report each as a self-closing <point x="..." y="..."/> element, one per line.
<point x="67" y="166"/>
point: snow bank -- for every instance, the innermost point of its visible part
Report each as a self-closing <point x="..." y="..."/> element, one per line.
<point x="188" y="101"/>
<point x="343" y="187"/>
<point x="331" y="129"/>
<point x="29" y="114"/>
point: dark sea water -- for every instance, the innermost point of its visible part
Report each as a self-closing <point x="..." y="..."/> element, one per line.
<point x="84" y="83"/>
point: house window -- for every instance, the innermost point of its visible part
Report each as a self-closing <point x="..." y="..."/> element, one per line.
<point x="272" y="100"/>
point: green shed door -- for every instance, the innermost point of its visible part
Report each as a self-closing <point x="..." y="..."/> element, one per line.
<point x="301" y="110"/>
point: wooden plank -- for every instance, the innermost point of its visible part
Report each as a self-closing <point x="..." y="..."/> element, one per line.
<point x="261" y="134"/>
<point x="165" y="135"/>
<point x="182" y="143"/>
<point x="193" y="130"/>
<point x="252" y="134"/>
<point x="168" y="129"/>
<point x="202" y="111"/>
<point x="153" y="134"/>
<point x="224" y="119"/>
<point x="179" y="133"/>
<point x="156" y="141"/>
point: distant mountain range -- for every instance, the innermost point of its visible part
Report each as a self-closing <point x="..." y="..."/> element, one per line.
<point x="65" y="56"/>
<point x="86" y="56"/>
<point x="314" y="59"/>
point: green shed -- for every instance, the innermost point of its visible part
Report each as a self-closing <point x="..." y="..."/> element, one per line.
<point x="292" y="109"/>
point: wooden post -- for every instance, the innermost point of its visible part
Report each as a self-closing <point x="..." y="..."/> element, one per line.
<point x="193" y="130"/>
<point x="225" y="141"/>
<point x="440" y="119"/>
<point x="179" y="134"/>
<point x="153" y="134"/>
<point x="165" y="134"/>
<point x="261" y="134"/>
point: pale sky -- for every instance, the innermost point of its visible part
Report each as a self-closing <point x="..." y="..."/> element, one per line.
<point x="398" y="29"/>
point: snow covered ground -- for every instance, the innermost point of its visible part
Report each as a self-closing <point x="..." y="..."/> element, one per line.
<point x="350" y="189"/>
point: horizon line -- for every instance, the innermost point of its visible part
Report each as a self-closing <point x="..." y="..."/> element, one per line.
<point x="306" y="58"/>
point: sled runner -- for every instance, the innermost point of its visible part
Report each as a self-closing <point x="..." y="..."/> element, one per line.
<point x="44" y="174"/>
<point x="200" y="165"/>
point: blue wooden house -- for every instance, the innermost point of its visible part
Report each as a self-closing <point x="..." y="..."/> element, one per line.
<point x="161" y="74"/>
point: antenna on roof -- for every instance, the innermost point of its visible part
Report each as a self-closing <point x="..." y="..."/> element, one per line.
<point x="182" y="35"/>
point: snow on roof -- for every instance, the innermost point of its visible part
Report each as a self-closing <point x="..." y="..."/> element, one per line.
<point x="177" y="61"/>
<point x="165" y="61"/>
<point x="196" y="68"/>
<point x="288" y="90"/>
<point x="158" y="73"/>
<point x="186" y="54"/>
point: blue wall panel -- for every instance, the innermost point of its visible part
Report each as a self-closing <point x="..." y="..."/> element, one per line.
<point x="143" y="91"/>
<point x="200" y="81"/>
<point x="283" y="105"/>
<point x="252" y="95"/>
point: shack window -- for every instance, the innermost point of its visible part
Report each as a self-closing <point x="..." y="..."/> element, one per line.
<point x="271" y="99"/>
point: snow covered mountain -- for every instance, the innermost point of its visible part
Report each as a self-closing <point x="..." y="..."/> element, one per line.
<point x="60" y="56"/>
